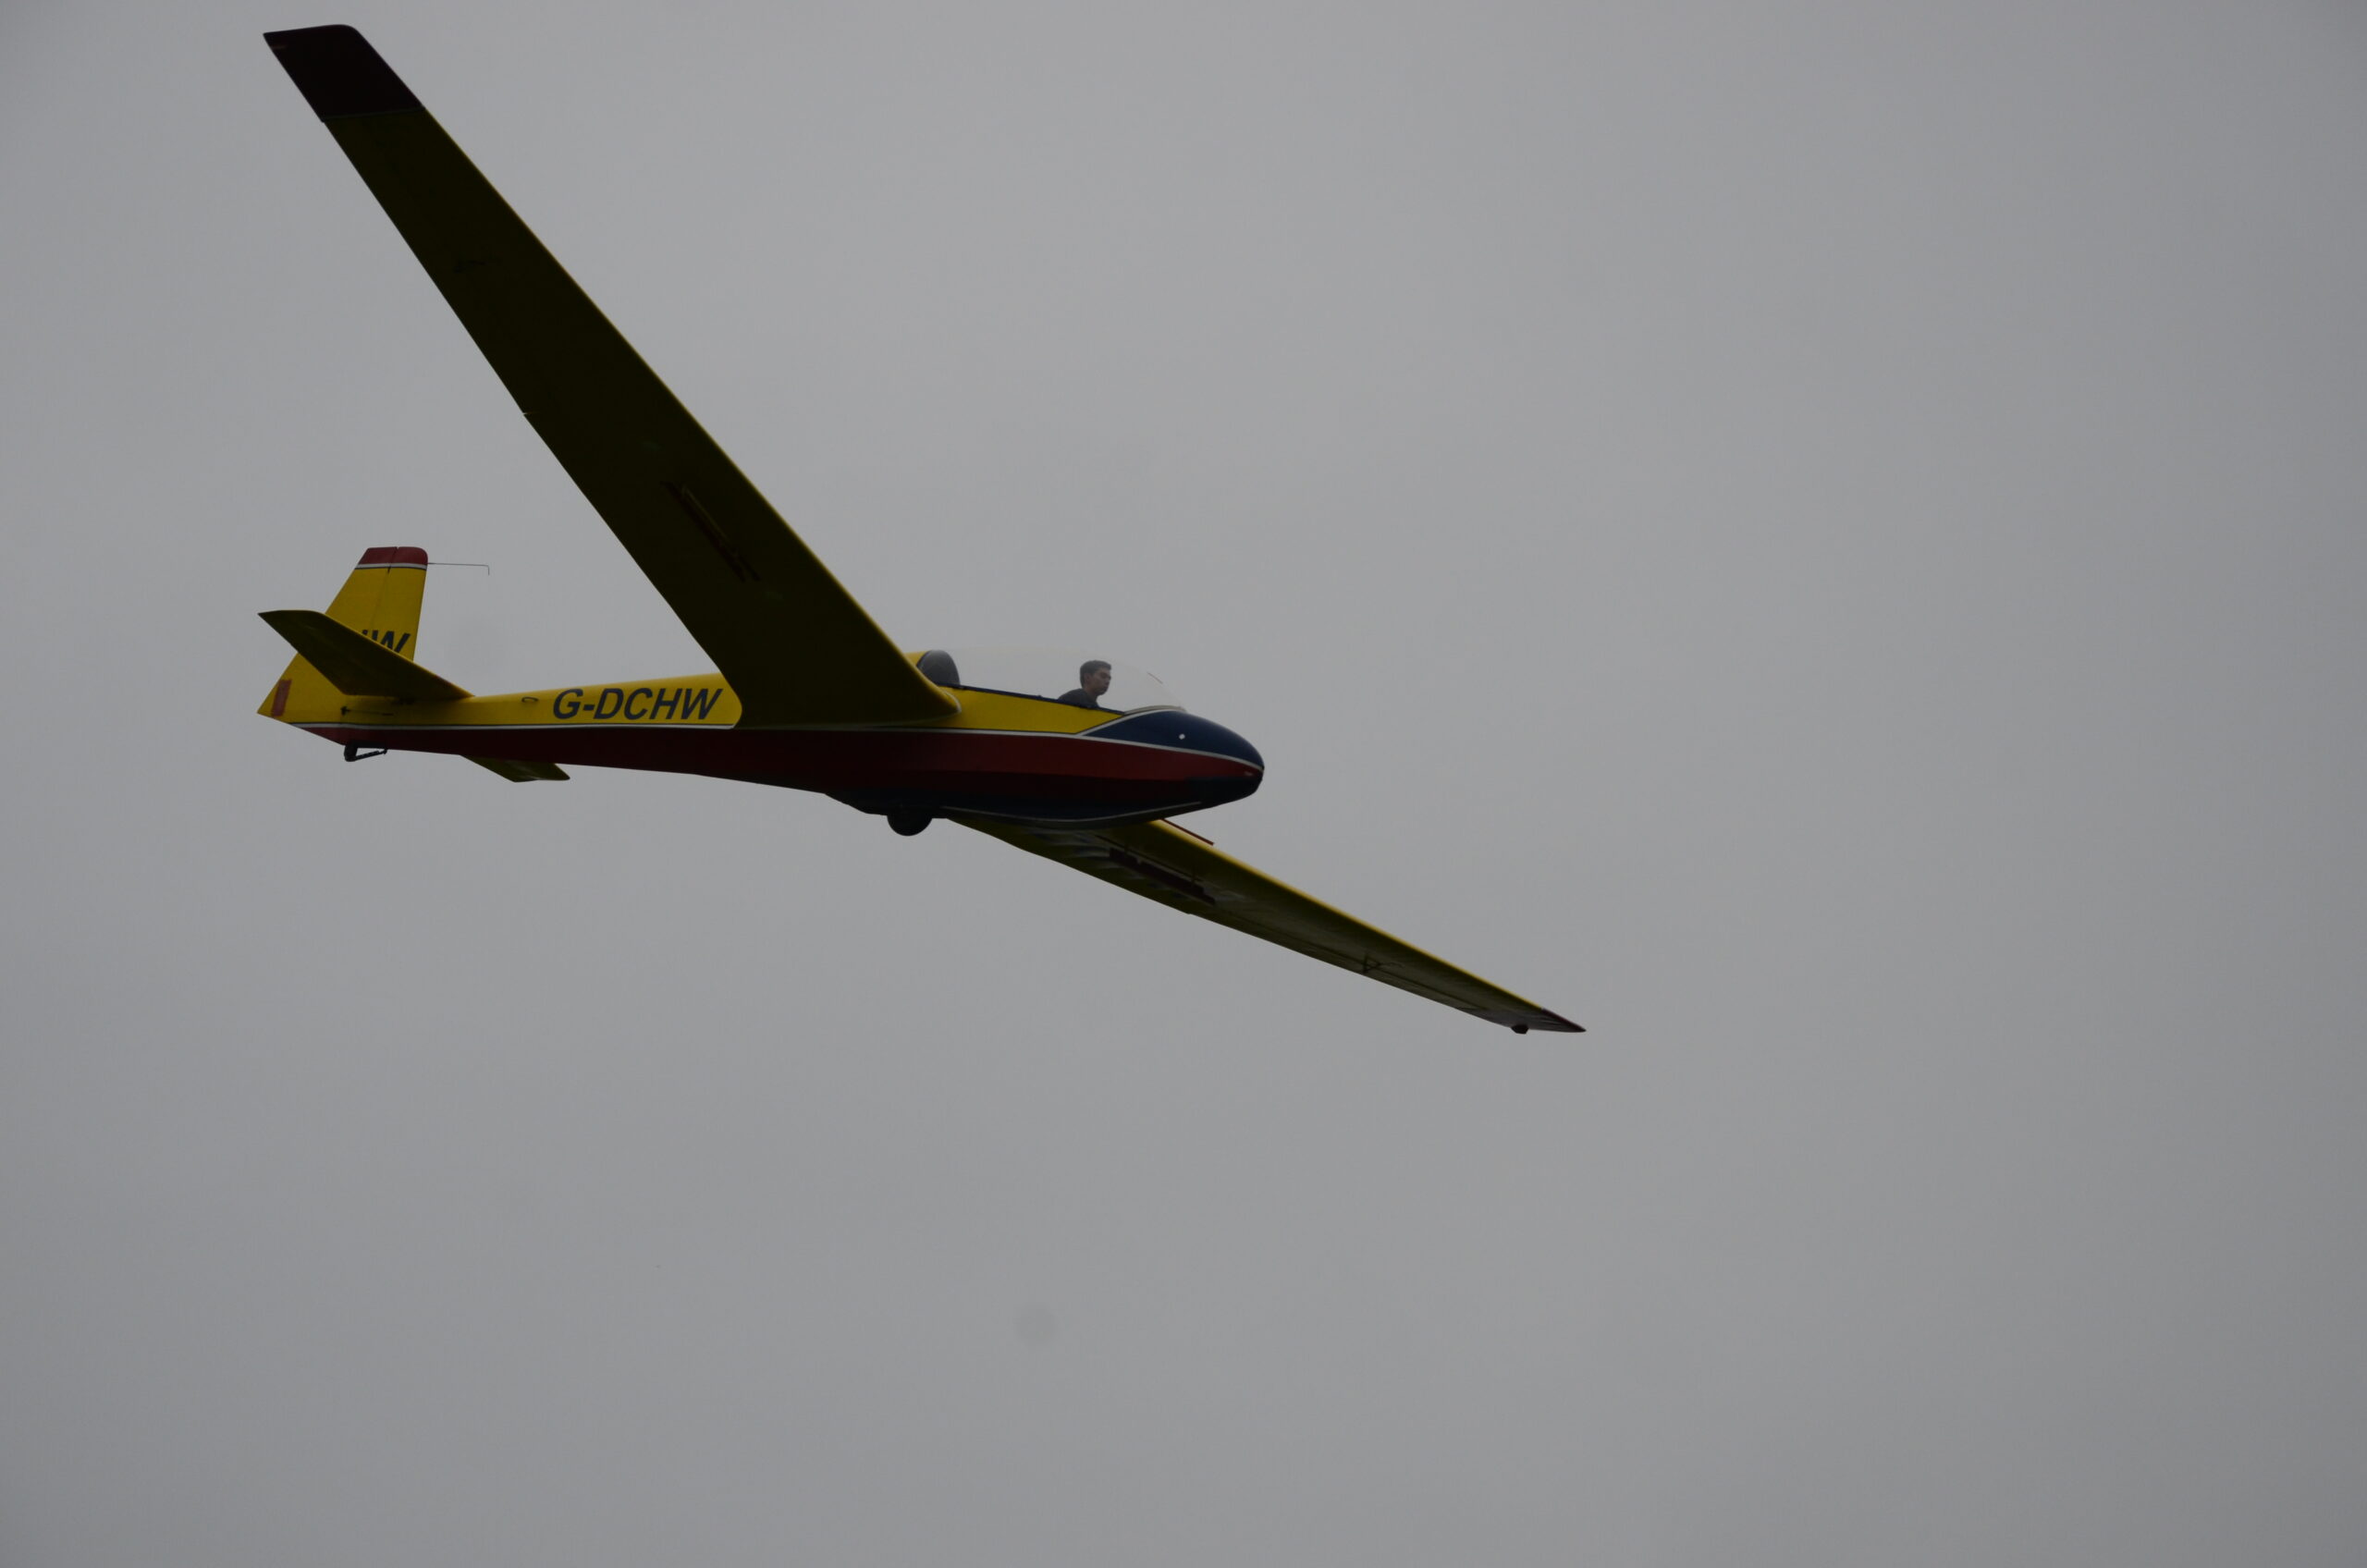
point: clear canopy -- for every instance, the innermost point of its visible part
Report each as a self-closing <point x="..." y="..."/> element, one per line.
<point x="1060" y="674"/>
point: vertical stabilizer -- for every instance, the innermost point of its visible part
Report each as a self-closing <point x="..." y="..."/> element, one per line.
<point x="381" y="601"/>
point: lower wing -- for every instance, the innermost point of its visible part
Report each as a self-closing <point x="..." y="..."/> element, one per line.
<point x="1183" y="871"/>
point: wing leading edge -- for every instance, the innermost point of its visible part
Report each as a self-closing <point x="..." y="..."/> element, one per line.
<point x="793" y="644"/>
<point x="1163" y="863"/>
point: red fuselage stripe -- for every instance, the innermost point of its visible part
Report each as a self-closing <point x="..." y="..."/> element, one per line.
<point x="1067" y="767"/>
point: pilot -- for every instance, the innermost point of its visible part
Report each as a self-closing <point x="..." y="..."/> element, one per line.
<point x="1092" y="679"/>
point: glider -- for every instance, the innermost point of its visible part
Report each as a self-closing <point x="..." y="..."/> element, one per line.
<point x="808" y="693"/>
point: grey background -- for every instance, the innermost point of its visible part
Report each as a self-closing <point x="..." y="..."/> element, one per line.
<point x="1821" y="541"/>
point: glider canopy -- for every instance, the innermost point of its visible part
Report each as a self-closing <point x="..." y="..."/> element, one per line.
<point x="1059" y="674"/>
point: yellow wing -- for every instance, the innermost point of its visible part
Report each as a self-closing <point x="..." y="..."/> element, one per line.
<point x="1183" y="871"/>
<point x="792" y="642"/>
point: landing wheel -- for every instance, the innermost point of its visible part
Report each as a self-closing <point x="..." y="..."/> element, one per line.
<point x="908" y="822"/>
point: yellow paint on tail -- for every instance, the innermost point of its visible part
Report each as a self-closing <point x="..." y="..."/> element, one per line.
<point x="381" y="600"/>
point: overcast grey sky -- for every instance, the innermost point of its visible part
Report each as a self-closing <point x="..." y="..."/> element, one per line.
<point x="1821" y="541"/>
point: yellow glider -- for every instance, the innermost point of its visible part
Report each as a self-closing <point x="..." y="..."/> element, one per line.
<point x="808" y="693"/>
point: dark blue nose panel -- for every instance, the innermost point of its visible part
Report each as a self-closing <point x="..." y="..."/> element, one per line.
<point x="1180" y="731"/>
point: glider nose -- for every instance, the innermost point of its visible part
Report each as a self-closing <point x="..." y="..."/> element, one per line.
<point x="1216" y="763"/>
<point x="1173" y="730"/>
<point x="1234" y="783"/>
<point x="1206" y="735"/>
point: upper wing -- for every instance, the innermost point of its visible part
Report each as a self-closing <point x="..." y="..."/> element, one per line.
<point x="793" y="644"/>
<point x="1183" y="871"/>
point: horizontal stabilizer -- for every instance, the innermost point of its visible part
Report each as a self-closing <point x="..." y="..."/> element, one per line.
<point x="519" y="772"/>
<point x="355" y="665"/>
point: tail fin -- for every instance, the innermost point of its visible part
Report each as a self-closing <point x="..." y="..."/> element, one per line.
<point x="381" y="601"/>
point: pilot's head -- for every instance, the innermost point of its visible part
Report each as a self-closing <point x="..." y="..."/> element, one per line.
<point x="1094" y="676"/>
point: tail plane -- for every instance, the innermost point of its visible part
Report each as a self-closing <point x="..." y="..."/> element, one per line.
<point x="367" y="644"/>
<point x="380" y="603"/>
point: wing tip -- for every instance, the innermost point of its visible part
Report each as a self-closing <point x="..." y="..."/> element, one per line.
<point x="339" y="75"/>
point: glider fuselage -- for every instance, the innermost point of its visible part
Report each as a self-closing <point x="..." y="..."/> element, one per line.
<point x="1018" y="758"/>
